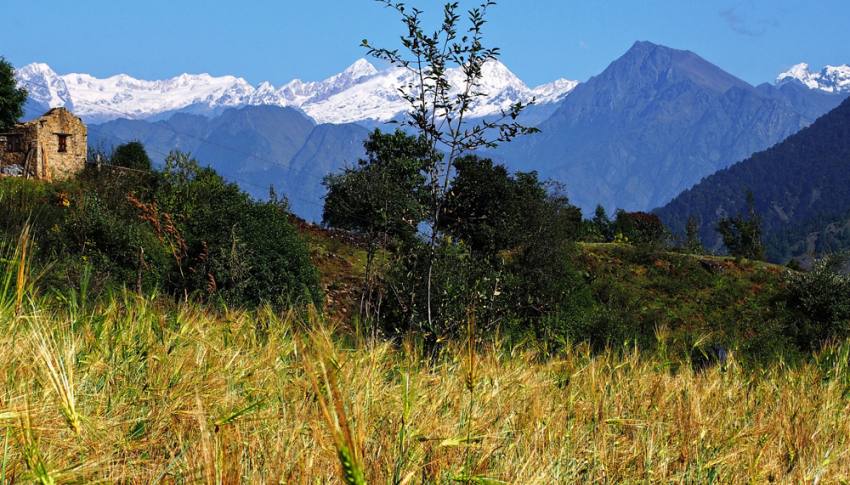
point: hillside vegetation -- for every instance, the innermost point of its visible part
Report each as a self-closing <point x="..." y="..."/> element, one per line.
<point x="686" y="302"/>
<point x="678" y="367"/>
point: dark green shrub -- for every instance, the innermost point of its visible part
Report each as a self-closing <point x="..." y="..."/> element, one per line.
<point x="820" y="302"/>
<point x="74" y="226"/>
<point x="184" y="230"/>
<point x="640" y="228"/>
<point x="226" y="244"/>
<point x="742" y="234"/>
<point x="131" y="155"/>
<point x="461" y="281"/>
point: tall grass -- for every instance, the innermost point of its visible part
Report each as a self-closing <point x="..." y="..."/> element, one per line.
<point x="138" y="390"/>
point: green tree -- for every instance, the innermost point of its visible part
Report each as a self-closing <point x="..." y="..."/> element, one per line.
<point x="487" y="206"/>
<point x="640" y="228"/>
<point x="602" y="224"/>
<point x="440" y="107"/>
<point x="742" y="235"/>
<point x="693" y="244"/>
<point x="12" y="98"/>
<point x="381" y="197"/>
<point x="508" y="254"/>
<point x="131" y="155"/>
<point x="492" y="210"/>
<point x="539" y="278"/>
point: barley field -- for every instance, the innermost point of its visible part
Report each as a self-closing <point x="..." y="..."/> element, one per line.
<point x="136" y="390"/>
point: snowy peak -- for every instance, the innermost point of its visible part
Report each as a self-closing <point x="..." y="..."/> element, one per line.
<point x="377" y="97"/>
<point x="125" y="96"/>
<point x="44" y="85"/>
<point x="360" y="92"/>
<point x="361" y="68"/>
<point x="832" y="79"/>
<point x="554" y="91"/>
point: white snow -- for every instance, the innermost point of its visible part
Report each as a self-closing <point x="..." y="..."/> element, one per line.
<point x="377" y="97"/>
<point x="360" y="92"/>
<point x="43" y="85"/>
<point x="832" y="79"/>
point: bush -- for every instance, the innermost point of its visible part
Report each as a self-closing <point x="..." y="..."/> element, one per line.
<point x="75" y="227"/>
<point x="639" y="228"/>
<point x="183" y="230"/>
<point x="820" y="302"/>
<point x="460" y="280"/>
<point x="226" y="244"/>
<point x="131" y="155"/>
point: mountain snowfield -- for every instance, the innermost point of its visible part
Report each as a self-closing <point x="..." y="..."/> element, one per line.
<point x="360" y="93"/>
<point x="832" y="79"/>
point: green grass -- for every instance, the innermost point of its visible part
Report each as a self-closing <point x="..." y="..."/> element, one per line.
<point x="689" y="298"/>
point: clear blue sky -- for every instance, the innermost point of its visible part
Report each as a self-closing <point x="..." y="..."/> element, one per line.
<point x="311" y="39"/>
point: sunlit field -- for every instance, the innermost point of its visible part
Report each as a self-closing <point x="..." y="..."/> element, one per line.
<point x="137" y="390"/>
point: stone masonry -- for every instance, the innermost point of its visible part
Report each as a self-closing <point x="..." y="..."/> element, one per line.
<point x="52" y="147"/>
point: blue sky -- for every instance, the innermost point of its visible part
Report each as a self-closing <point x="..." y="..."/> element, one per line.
<point x="540" y="39"/>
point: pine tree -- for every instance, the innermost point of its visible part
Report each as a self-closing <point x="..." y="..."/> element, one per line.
<point x="693" y="244"/>
<point x="602" y="224"/>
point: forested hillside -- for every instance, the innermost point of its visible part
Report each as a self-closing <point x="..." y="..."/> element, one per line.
<point x="801" y="189"/>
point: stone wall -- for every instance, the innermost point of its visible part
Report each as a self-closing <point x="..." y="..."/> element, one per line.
<point x="41" y="155"/>
<point x="53" y="164"/>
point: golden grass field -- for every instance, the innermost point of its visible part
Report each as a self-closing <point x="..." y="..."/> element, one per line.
<point x="125" y="388"/>
<point x="135" y="390"/>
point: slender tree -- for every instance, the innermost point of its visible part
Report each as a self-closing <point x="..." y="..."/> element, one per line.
<point x="440" y="110"/>
<point x="742" y="235"/>
<point x="602" y="224"/>
<point x="693" y="244"/>
<point x="12" y="98"/>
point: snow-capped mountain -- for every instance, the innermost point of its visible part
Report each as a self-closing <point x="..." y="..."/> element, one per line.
<point x="359" y="93"/>
<point x="44" y="86"/>
<point x="832" y="79"/>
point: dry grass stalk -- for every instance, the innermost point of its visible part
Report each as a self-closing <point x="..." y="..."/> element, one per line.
<point x="138" y="368"/>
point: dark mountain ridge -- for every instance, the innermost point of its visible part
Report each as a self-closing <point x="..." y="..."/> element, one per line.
<point x="801" y="189"/>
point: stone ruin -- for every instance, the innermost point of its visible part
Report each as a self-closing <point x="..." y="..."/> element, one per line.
<point x="51" y="147"/>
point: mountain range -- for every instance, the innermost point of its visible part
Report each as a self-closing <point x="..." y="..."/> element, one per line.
<point x="652" y="124"/>
<point x="257" y="147"/>
<point x="359" y="93"/>
<point x="655" y="122"/>
<point x="800" y="187"/>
